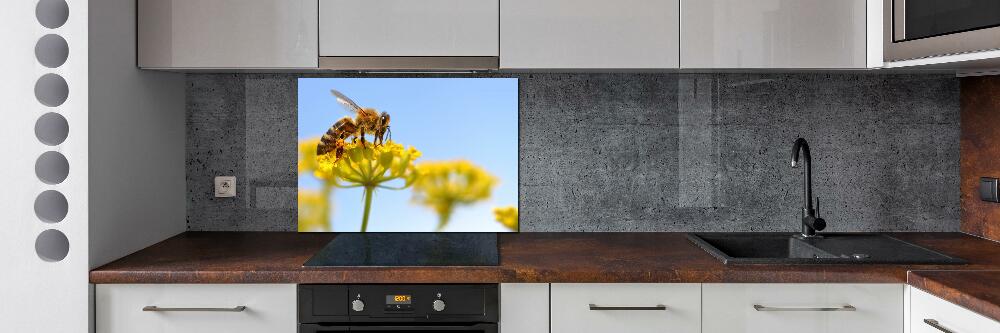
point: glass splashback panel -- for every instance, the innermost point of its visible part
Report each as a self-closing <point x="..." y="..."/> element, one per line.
<point x="408" y="154"/>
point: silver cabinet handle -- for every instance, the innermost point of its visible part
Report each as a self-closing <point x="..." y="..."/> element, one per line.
<point x="935" y="324"/>
<point x="240" y="308"/>
<point x="594" y="307"/>
<point x="848" y="307"/>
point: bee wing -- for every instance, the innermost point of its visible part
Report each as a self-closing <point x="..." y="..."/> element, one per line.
<point x="347" y="102"/>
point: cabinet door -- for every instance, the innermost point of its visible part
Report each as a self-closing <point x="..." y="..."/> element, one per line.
<point x="626" y="307"/>
<point x="589" y="34"/>
<point x="773" y="34"/>
<point x="269" y="308"/>
<point x="227" y="33"/>
<point x="524" y="308"/>
<point x="816" y="308"/>
<point x="407" y="28"/>
<point x="929" y="314"/>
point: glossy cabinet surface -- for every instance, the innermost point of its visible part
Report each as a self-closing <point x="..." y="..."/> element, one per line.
<point x="927" y="309"/>
<point x="589" y="34"/>
<point x="773" y="34"/>
<point x="269" y="308"/>
<point x="647" y="307"/>
<point x="406" y="28"/>
<point x="524" y="308"/>
<point x="810" y="307"/>
<point x="227" y="33"/>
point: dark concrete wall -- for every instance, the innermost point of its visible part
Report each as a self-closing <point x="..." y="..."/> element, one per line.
<point x="640" y="152"/>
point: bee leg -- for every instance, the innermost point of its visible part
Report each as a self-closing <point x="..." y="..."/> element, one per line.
<point x="339" y="148"/>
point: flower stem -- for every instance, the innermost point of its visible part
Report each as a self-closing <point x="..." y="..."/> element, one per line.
<point x="327" y="193"/>
<point x="444" y="215"/>
<point x="368" y="207"/>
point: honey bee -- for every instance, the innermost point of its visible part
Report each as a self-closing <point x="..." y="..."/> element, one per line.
<point x="365" y="121"/>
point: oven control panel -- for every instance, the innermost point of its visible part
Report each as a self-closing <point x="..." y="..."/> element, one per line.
<point x="398" y="303"/>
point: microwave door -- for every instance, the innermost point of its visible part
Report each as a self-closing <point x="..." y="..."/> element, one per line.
<point x="916" y="29"/>
<point x="916" y="19"/>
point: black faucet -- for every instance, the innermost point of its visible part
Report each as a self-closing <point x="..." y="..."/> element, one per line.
<point x="810" y="221"/>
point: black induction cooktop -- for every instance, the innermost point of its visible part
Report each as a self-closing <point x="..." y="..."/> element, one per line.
<point x="408" y="249"/>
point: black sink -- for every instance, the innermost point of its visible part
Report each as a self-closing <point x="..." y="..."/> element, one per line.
<point x="786" y="248"/>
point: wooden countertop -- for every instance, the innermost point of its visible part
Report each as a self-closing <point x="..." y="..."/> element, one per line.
<point x="978" y="291"/>
<point x="277" y="257"/>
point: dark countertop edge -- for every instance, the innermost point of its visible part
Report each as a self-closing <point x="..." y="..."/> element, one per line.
<point x="278" y="263"/>
<point x="294" y="277"/>
<point x="275" y="258"/>
<point x="967" y="294"/>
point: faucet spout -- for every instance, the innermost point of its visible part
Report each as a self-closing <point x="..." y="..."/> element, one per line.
<point x="810" y="222"/>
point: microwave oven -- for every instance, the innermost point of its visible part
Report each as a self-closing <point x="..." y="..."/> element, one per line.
<point x="915" y="29"/>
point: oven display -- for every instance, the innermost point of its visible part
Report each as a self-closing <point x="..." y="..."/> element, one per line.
<point x="399" y="303"/>
<point x="398" y="299"/>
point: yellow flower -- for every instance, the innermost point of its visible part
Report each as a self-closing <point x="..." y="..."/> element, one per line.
<point x="371" y="167"/>
<point x="307" y="164"/>
<point x="307" y="160"/>
<point x="444" y="185"/>
<point x="313" y="209"/>
<point x="506" y="216"/>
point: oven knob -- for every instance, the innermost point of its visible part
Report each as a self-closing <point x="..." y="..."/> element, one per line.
<point x="358" y="305"/>
<point x="438" y="305"/>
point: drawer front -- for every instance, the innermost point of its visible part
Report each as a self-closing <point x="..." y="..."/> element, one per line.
<point x="269" y="308"/>
<point x="406" y="28"/>
<point x="777" y="308"/>
<point x="946" y="315"/>
<point x="571" y="310"/>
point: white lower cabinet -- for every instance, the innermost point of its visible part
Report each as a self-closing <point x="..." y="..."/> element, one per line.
<point x="196" y="308"/>
<point x="930" y="314"/>
<point x="524" y="308"/>
<point x="625" y="307"/>
<point x="816" y="308"/>
<point x="569" y="307"/>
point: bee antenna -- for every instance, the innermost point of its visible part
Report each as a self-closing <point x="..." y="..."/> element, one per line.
<point x="388" y="132"/>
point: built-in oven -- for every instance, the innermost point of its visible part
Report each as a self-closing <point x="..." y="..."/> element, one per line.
<point x="928" y="28"/>
<point x="384" y="308"/>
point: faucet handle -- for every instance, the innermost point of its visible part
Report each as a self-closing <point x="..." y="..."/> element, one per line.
<point x="817" y="206"/>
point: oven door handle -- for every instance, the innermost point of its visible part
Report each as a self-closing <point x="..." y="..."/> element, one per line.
<point x="481" y="327"/>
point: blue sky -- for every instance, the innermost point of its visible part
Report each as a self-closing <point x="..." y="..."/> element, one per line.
<point x="445" y="118"/>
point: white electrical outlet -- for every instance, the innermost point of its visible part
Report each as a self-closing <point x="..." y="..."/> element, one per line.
<point x="225" y="187"/>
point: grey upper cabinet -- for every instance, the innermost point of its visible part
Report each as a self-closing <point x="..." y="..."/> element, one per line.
<point x="589" y="34"/>
<point x="193" y="34"/>
<point x="774" y="34"/>
<point x="407" y="28"/>
<point x="508" y="34"/>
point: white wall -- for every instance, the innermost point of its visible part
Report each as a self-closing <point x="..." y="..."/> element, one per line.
<point x="38" y="295"/>
<point x="126" y="128"/>
<point x="137" y="187"/>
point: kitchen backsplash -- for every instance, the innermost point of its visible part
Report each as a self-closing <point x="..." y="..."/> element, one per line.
<point x="639" y="152"/>
<point x="980" y="145"/>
